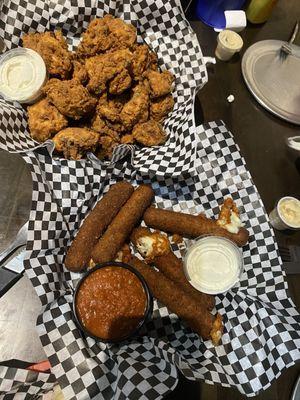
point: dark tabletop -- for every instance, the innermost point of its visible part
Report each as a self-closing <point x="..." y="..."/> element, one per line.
<point x="261" y="138"/>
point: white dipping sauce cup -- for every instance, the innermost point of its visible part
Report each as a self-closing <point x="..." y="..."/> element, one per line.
<point x="277" y="220"/>
<point x="229" y="43"/>
<point x="213" y="264"/>
<point x="22" y="75"/>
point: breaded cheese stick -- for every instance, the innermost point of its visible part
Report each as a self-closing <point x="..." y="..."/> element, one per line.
<point x="120" y="228"/>
<point x="79" y="253"/>
<point x="179" y="302"/>
<point x="172" y="268"/>
<point x="155" y="247"/>
<point x="191" y="225"/>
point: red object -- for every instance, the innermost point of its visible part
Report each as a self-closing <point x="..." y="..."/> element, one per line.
<point x="42" y="366"/>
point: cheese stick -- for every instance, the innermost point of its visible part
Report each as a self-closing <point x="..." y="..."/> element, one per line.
<point x="79" y="253"/>
<point x="120" y="228"/>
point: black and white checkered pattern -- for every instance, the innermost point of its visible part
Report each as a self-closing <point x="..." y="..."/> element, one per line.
<point x="262" y="326"/>
<point x="162" y="25"/>
<point x="17" y="383"/>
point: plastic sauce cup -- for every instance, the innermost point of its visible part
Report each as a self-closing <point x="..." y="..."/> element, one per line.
<point x="213" y="264"/>
<point x="22" y="75"/>
<point x="277" y="219"/>
<point x="229" y="43"/>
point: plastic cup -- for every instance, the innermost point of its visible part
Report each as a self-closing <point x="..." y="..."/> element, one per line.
<point x="277" y="219"/>
<point x="32" y="75"/>
<point x="218" y="255"/>
<point x="229" y="43"/>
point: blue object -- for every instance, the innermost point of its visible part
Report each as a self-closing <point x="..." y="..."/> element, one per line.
<point x="211" y="12"/>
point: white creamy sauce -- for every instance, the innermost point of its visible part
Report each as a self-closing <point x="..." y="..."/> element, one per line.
<point x="213" y="265"/>
<point x="230" y="39"/>
<point x="289" y="210"/>
<point x="22" y="74"/>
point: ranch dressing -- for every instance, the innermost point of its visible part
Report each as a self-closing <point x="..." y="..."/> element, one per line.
<point x="22" y="75"/>
<point x="213" y="264"/>
<point x="289" y="210"/>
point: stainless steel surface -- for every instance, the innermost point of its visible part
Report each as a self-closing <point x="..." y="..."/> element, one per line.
<point x="295" y="32"/>
<point x="20" y="240"/>
<point x="296" y="391"/>
<point x="15" y="262"/>
<point x="286" y="48"/>
<point x="290" y="50"/>
<point x="19" y="309"/>
<point x="273" y="82"/>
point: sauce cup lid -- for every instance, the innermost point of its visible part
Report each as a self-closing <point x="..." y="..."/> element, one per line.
<point x="221" y="264"/>
<point x="149" y="301"/>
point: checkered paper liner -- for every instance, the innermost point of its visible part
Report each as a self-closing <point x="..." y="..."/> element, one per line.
<point x="17" y="383"/>
<point x="262" y="326"/>
<point x="162" y="25"/>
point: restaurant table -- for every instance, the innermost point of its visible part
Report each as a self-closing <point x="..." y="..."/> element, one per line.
<point x="261" y="138"/>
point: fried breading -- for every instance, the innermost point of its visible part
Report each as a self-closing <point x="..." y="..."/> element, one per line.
<point x="161" y="107"/>
<point x="53" y="48"/>
<point x="120" y="82"/>
<point x="142" y="60"/>
<point x="44" y="120"/>
<point x="79" y="253"/>
<point x="123" y="35"/>
<point x="70" y="98"/>
<point x="229" y="217"/>
<point x="108" y="138"/>
<point x="191" y="225"/>
<point x="137" y="108"/>
<point x="95" y="39"/>
<point x="160" y="82"/>
<point x="111" y="107"/>
<point x="152" y="63"/>
<point x="102" y="68"/>
<point x="116" y="126"/>
<point x="155" y="248"/>
<point x="80" y="72"/>
<point x="149" y="133"/>
<point x="107" y="145"/>
<point x="99" y="125"/>
<point x="227" y="209"/>
<point x="74" y="143"/>
<point x="150" y="244"/>
<point x="127" y="139"/>
<point x="105" y="86"/>
<point x="178" y="301"/>
<point x="106" y="33"/>
<point x="122" y="225"/>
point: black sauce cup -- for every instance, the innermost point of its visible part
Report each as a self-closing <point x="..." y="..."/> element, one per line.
<point x="148" y="310"/>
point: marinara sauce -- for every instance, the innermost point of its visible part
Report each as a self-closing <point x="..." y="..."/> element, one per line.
<point x="111" y="302"/>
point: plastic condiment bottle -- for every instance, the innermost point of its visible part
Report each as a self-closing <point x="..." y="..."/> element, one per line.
<point x="258" y="11"/>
